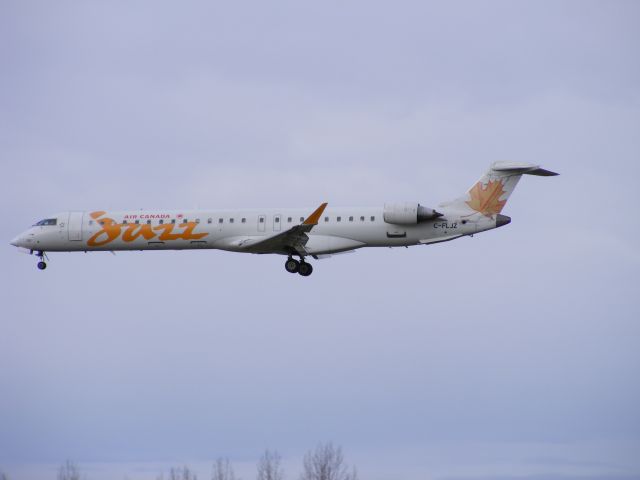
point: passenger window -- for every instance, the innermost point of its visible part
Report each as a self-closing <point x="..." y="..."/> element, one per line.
<point x="351" y="219"/>
<point x="184" y="220"/>
<point x="148" y="222"/>
<point x="137" y="222"/>
<point x="362" y="218"/>
<point x="289" y="219"/>
<point x="124" y="222"/>
<point x="173" y="220"/>
<point x="209" y="220"/>
<point x="339" y="219"/>
<point x="326" y="219"/>
<point x="197" y="220"/>
<point x="90" y="222"/>
<point x="301" y="219"/>
<point x="161" y="221"/>
<point x="277" y="219"/>
<point x="244" y="220"/>
<point x="231" y="220"/>
<point x="261" y="219"/>
<point x="373" y="219"/>
<point x="220" y="220"/>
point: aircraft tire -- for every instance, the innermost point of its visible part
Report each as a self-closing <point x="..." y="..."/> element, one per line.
<point x="305" y="269"/>
<point x="42" y="265"/>
<point x="292" y="265"/>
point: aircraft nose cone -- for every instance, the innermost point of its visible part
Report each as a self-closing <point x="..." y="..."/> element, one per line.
<point x="17" y="242"/>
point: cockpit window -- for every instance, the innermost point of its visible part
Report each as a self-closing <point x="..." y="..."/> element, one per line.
<point x="48" y="221"/>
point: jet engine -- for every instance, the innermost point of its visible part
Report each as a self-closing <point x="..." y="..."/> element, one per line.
<point x="408" y="213"/>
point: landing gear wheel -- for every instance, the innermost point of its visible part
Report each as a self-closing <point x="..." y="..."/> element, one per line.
<point x="305" y="269"/>
<point x="292" y="265"/>
<point x="42" y="256"/>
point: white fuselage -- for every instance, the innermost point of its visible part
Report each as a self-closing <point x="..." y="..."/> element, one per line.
<point x="337" y="230"/>
<point x="292" y="232"/>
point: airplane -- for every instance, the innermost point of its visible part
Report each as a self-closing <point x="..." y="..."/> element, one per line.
<point x="290" y="232"/>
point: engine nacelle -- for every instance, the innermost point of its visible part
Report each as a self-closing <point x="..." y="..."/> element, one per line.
<point x="408" y="213"/>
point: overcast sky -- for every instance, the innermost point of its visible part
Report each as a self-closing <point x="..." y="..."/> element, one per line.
<point x="513" y="354"/>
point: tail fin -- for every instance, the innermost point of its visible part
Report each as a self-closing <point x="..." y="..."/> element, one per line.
<point x="490" y="193"/>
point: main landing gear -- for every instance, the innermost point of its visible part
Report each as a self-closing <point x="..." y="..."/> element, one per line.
<point x="42" y="256"/>
<point x="294" y="266"/>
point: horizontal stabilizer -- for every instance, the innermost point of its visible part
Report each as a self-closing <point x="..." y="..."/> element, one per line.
<point x="541" y="172"/>
<point x="521" y="169"/>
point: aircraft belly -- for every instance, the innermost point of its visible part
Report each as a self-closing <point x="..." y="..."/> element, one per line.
<point x="138" y="244"/>
<point x="237" y="243"/>
<point x="153" y="244"/>
<point x="320" y="244"/>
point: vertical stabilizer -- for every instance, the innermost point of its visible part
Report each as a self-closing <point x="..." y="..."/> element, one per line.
<point x="490" y="193"/>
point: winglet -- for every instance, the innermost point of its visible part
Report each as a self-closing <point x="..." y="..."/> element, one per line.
<point x="315" y="216"/>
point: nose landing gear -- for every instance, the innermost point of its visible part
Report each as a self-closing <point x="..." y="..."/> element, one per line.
<point x="294" y="266"/>
<point x="42" y="256"/>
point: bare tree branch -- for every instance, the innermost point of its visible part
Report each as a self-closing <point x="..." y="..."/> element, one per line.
<point x="179" y="473"/>
<point x="269" y="467"/>
<point x="326" y="462"/>
<point x="68" y="471"/>
<point x="222" y="470"/>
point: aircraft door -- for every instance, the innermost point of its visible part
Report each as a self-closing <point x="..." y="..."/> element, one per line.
<point x="396" y="232"/>
<point x="262" y="220"/>
<point x="276" y="223"/>
<point x="75" y="225"/>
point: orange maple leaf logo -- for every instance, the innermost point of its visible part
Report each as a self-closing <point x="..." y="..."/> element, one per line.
<point x="486" y="200"/>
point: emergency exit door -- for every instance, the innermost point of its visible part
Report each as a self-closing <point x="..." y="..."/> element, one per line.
<point x="75" y="226"/>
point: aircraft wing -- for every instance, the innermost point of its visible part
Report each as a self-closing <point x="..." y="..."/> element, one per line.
<point x="289" y="241"/>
